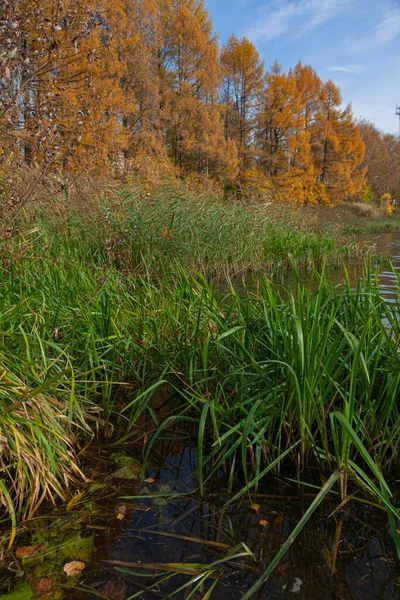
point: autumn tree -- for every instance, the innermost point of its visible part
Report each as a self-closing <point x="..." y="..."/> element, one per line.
<point x="137" y="35"/>
<point x="27" y="52"/>
<point x="191" y="78"/>
<point x="275" y="123"/>
<point x="283" y="141"/>
<point x="67" y="101"/>
<point x="382" y="159"/>
<point x="309" y="147"/>
<point x="106" y="86"/>
<point x="242" y="85"/>
<point x="87" y="94"/>
<point x="339" y="151"/>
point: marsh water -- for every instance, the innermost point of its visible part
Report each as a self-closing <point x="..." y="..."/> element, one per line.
<point x="148" y="536"/>
<point x="388" y="244"/>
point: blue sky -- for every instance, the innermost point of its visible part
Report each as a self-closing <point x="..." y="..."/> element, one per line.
<point x="356" y="43"/>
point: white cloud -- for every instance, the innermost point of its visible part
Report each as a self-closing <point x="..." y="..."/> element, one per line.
<point x="297" y="17"/>
<point x="386" y="30"/>
<point x="347" y="69"/>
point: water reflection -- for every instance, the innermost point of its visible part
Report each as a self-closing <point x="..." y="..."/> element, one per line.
<point x="388" y="270"/>
<point x="387" y="243"/>
<point x="349" y="556"/>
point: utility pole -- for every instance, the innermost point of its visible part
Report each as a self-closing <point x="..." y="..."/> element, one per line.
<point x="398" y="114"/>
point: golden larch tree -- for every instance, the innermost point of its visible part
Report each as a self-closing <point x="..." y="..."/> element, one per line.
<point x="339" y="152"/>
<point x="242" y="85"/>
<point x="191" y="78"/>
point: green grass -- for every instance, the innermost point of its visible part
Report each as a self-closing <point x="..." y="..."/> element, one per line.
<point x="89" y="330"/>
<point x="204" y="233"/>
<point x="380" y="225"/>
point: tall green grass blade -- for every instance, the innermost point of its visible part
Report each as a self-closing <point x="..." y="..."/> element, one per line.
<point x="299" y="527"/>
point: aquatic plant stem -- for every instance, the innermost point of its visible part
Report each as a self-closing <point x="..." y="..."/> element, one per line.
<point x="299" y="527"/>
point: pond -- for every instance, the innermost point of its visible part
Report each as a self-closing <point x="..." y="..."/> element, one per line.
<point x="387" y="243"/>
<point x="128" y="535"/>
<point x="128" y="531"/>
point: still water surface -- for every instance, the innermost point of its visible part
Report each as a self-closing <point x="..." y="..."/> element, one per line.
<point x="389" y="244"/>
<point x="349" y="556"/>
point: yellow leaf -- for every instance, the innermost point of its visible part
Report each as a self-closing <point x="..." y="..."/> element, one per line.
<point x="26" y="551"/>
<point x="73" y="568"/>
<point x="263" y="522"/>
<point x="75" y="500"/>
<point x="121" y="512"/>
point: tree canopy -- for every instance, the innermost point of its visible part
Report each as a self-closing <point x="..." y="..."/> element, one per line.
<point x="119" y="86"/>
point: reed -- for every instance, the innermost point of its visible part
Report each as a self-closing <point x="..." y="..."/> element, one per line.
<point x="89" y="330"/>
<point x="220" y="238"/>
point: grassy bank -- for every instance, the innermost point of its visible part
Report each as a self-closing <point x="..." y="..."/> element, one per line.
<point x="135" y="231"/>
<point x="356" y="218"/>
<point x="379" y="225"/>
<point x="97" y="311"/>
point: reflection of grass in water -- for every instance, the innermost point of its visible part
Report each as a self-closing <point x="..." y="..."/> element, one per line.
<point x="380" y="225"/>
<point x="199" y="573"/>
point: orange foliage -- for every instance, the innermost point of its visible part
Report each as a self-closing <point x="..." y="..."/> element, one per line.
<point x="242" y="85"/>
<point x="308" y="145"/>
<point x="127" y="86"/>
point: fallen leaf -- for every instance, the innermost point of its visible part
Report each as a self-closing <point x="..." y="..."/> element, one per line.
<point x="263" y="523"/>
<point x="213" y="328"/>
<point x="74" y="500"/>
<point x="255" y="507"/>
<point x="26" y="551"/>
<point x="121" y="512"/>
<point x="73" y="568"/>
<point x="42" y="586"/>
<point x="296" y="587"/>
<point x="149" y="480"/>
<point x="3" y="443"/>
<point x="278" y="523"/>
<point x="115" y="590"/>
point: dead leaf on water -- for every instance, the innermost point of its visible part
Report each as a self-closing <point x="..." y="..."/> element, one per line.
<point x="42" y="586"/>
<point x="296" y="586"/>
<point x="26" y="551"/>
<point x="121" y="512"/>
<point x="115" y="590"/>
<point x="73" y="568"/>
<point x="278" y="524"/>
<point x="263" y="522"/>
